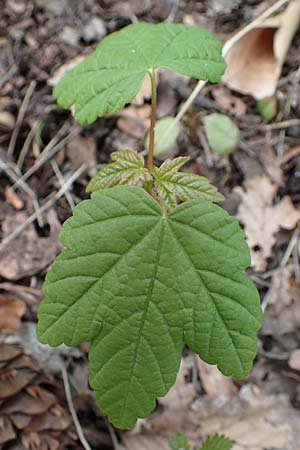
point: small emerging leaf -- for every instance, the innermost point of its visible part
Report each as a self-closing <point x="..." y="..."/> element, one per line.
<point x="136" y="283"/>
<point x="267" y="108"/>
<point x="128" y="168"/>
<point x="179" y="442"/>
<point x="161" y="127"/>
<point x="112" y="75"/>
<point x="222" y="133"/>
<point x="172" y="185"/>
<point x="217" y="443"/>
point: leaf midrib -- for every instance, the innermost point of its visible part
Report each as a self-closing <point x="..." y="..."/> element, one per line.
<point x="197" y="272"/>
<point x="147" y="303"/>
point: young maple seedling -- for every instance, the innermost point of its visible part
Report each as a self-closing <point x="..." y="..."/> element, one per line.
<point x="140" y="275"/>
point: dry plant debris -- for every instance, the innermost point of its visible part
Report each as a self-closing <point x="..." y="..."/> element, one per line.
<point x="262" y="219"/>
<point x="265" y="47"/>
<point x="28" y="253"/>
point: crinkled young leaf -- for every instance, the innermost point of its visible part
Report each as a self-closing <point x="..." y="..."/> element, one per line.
<point x="172" y="185"/>
<point x="136" y="284"/>
<point x="111" y="76"/>
<point x="128" y="168"/>
<point x="217" y="443"/>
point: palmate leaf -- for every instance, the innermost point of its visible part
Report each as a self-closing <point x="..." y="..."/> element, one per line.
<point x="128" y="168"/>
<point x="111" y="76"/>
<point x="136" y="284"/>
<point x="171" y="185"/>
<point x="217" y="443"/>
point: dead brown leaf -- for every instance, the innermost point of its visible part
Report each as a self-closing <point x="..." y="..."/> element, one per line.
<point x="135" y="120"/>
<point x="28" y="253"/>
<point x="7" y="432"/>
<point x="265" y="47"/>
<point x="280" y="293"/>
<point x="214" y="382"/>
<point x="11" y="311"/>
<point x="259" y="421"/>
<point x="261" y="219"/>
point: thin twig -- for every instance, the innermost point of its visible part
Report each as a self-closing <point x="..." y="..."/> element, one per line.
<point x="20" y="118"/>
<point x="234" y="39"/>
<point x="26" y="145"/>
<point x="44" y="157"/>
<point x="62" y="182"/>
<point x="281" y="125"/>
<point x="173" y="11"/>
<point x="77" y="424"/>
<point x="14" y="177"/>
<point x="113" y="436"/>
<point x="44" y="207"/>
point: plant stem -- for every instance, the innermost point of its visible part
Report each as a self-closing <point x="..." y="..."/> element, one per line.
<point x="153" y="119"/>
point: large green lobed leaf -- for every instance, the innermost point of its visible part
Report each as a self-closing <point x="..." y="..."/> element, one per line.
<point x="111" y="76"/>
<point x="137" y="283"/>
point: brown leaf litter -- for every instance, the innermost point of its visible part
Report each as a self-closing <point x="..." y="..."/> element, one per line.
<point x="253" y="418"/>
<point x="264" y="46"/>
<point x="28" y="253"/>
<point x="31" y="416"/>
<point x="262" y="219"/>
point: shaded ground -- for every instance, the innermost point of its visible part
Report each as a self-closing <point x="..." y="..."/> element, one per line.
<point x="41" y="147"/>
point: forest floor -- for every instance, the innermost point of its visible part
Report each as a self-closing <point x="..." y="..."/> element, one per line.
<point x="41" y="148"/>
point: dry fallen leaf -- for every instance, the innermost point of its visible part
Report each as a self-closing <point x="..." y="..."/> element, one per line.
<point x="135" y="120"/>
<point x="254" y="419"/>
<point x="28" y="253"/>
<point x="11" y="311"/>
<point x="280" y="293"/>
<point x="261" y="219"/>
<point x="214" y="382"/>
<point x="254" y="62"/>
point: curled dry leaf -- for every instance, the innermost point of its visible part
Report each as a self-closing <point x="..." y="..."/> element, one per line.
<point x="262" y="219"/>
<point x="255" y="61"/>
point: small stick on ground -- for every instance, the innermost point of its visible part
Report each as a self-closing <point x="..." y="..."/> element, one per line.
<point x="20" y="118"/>
<point x="113" y="436"/>
<point x="45" y="156"/>
<point x="14" y="177"/>
<point x="77" y="425"/>
<point x="281" y="125"/>
<point x="61" y="181"/>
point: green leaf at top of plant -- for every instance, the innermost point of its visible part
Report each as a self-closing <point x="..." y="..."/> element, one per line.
<point x="136" y="283"/>
<point x="179" y="442"/>
<point x="267" y="108"/>
<point x="171" y="185"/>
<point x="161" y="144"/>
<point x="217" y="443"/>
<point x="128" y="168"/>
<point x="222" y="133"/>
<point x="111" y="76"/>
